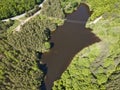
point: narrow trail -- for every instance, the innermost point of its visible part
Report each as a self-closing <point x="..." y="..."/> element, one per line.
<point x="29" y="18"/>
<point x="96" y="20"/>
<point x="22" y="15"/>
<point x="26" y="20"/>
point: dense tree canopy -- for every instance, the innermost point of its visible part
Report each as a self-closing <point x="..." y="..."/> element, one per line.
<point x="17" y="71"/>
<point x="31" y="35"/>
<point x="53" y="5"/>
<point x="70" y="5"/>
<point x="19" y="60"/>
<point x="10" y="8"/>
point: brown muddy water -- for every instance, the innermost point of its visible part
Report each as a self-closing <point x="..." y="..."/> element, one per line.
<point x="68" y="40"/>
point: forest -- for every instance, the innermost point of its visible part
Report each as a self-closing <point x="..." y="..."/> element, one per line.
<point x="96" y="67"/>
<point x="20" y="51"/>
<point x="11" y="8"/>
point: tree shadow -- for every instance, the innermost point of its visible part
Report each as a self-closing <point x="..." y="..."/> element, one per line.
<point x="52" y="45"/>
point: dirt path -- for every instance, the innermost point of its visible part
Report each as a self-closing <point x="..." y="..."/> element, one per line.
<point x="22" y="15"/>
<point x="96" y="20"/>
<point x="27" y="19"/>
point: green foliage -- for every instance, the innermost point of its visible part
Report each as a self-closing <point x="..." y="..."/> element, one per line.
<point x="10" y="8"/>
<point x="70" y="5"/>
<point x="18" y="71"/>
<point x="32" y="12"/>
<point x="53" y="6"/>
<point x="32" y="35"/>
<point x="18" y="60"/>
<point x="47" y="45"/>
<point x="114" y="81"/>
<point x="103" y="7"/>
<point x="5" y="25"/>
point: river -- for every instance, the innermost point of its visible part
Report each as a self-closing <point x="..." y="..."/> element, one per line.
<point x="67" y="41"/>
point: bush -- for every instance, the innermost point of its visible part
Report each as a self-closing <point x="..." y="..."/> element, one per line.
<point x="32" y="12"/>
<point x="5" y="25"/>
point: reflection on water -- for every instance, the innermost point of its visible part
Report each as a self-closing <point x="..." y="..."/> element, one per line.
<point x="68" y="40"/>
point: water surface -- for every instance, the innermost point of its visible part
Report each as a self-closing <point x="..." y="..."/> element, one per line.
<point x="68" y="40"/>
